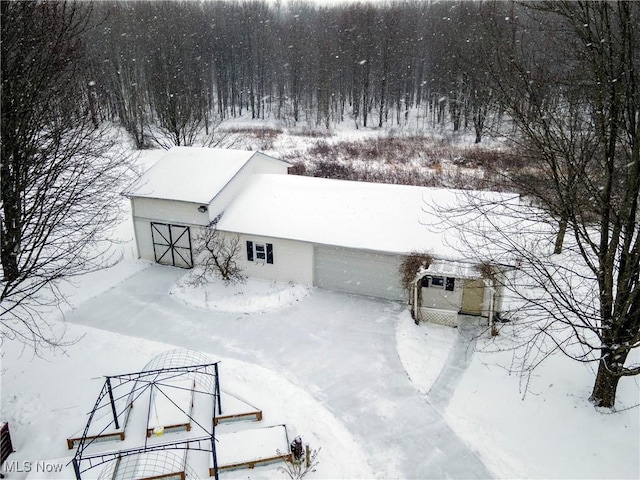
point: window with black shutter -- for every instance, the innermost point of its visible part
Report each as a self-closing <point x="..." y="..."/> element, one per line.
<point x="448" y="283"/>
<point x="260" y="252"/>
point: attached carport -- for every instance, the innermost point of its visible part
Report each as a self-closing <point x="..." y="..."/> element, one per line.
<point x="357" y="271"/>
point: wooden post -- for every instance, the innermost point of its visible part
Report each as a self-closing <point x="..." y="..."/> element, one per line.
<point x="307" y="452"/>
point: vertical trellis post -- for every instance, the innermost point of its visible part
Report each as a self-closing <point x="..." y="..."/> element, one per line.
<point x="213" y="441"/>
<point x="218" y="389"/>
<point x="76" y="468"/>
<point x="113" y="404"/>
<point x="216" y="401"/>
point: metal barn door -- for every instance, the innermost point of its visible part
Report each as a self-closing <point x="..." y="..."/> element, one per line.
<point x="172" y="244"/>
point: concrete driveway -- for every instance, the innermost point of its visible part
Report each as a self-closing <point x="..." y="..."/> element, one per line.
<point x="340" y="348"/>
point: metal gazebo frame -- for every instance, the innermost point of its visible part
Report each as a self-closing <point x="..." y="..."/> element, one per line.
<point x="142" y="382"/>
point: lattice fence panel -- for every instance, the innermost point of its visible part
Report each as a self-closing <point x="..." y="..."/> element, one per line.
<point x="441" y="317"/>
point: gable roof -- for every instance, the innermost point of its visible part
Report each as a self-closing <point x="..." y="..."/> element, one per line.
<point x="192" y="174"/>
<point x="369" y="216"/>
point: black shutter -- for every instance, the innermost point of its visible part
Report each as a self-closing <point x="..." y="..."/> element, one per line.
<point x="249" y="251"/>
<point x="451" y="283"/>
<point x="269" y="253"/>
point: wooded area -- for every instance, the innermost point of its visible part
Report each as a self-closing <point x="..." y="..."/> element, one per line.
<point x="183" y="65"/>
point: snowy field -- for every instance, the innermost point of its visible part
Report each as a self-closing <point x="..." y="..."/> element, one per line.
<point x="382" y="397"/>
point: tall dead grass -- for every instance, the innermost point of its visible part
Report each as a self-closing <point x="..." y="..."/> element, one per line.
<point x="407" y="160"/>
<point x="261" y="138"/>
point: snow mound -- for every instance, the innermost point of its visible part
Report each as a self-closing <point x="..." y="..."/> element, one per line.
<point x="253" y="296"/>
<point x="423" y="350"/>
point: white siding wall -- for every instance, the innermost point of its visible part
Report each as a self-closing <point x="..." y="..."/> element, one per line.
<point x="229" y="192"/>
<point x="168" y="211"/>
<point x="292" y="260"/>
<point x="443" y="299"/>
<point x="142" y="230"/>
<point x="147" y="210"/>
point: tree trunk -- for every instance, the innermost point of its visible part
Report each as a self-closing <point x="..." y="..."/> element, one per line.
<point x="11" y="215"/>
<point x="561" y="234"/>
<point x="92" y="104"/>
<point x="10" y="267"/>
<point x="478" y="134"/>
<point x="604" y="389"/>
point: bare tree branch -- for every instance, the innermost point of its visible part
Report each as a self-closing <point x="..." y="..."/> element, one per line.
<point x="60" y="174"/>
<point x="217" y="255"/>
<point x="576" y="125"/>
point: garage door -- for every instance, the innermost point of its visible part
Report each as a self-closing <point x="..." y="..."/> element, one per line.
<point x="354" y="271"/>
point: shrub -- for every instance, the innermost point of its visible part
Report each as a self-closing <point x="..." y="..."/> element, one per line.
<point x="411" y="265"/>
<point x="406" y="160"/>
<point x="329" y="169"/>
<point x="262" y="138"/>
<point x="218" y="255"/>
<point x="309" y="132"/>
<point x="298" y="168"/>
<point x="322" y="148"/>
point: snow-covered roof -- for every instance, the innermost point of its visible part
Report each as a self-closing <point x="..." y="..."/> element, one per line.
<point x="191" y="174"/>
<point x="450" y="269"/>
<point x="368" y="216"/>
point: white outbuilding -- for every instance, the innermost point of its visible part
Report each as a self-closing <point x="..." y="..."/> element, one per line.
<point x="188" y="188"/>
<point x="334" y="234"/>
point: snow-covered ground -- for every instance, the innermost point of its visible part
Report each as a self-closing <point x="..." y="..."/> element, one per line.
<point x="46" y="400"/>
<point x="381" y="397"/>
<point x="257" y="296"/>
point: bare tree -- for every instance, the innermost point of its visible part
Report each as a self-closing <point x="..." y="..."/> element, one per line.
<point x="59" y="182"/>
<point x="574" y="98"/>
<point x="218" y="255"/>
<point x="119" y="59"/>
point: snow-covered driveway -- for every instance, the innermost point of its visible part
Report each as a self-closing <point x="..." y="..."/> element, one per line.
<point x="339" y="348"/>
